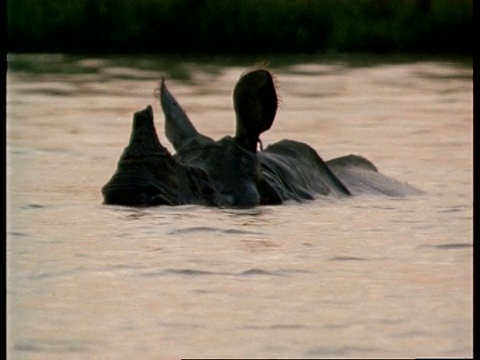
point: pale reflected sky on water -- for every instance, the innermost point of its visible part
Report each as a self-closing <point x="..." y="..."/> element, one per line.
<point x="363" y="277"/>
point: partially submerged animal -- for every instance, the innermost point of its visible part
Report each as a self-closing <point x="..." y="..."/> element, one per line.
<point x="231" y="172"/>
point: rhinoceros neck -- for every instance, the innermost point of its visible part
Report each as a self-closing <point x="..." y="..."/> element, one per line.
<point x="247" y="141"/>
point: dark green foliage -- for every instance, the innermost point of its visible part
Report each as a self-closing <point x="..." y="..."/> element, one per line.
<point x="239" y="26"/>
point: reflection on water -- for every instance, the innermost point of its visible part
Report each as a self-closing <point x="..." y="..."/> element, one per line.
<point x="364" y="277"/>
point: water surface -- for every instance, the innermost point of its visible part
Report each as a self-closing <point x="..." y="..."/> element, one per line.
<point x="369" y="276"/>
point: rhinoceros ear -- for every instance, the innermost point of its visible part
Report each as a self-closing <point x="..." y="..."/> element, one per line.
<point x="178" y="127"/>
<point x="255" y="102"/>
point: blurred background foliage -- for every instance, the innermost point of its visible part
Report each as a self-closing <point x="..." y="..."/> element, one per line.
<point x="240" y="26"/>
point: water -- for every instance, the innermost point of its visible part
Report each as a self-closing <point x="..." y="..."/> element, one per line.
<point x="369" y="276"/>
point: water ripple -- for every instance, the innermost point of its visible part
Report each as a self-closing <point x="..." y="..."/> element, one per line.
<point x="256" y="272"/>
<point x="448" y="246"/>
<point x="193" y="272"/>
<point x="54" y="274"/>
<point x="354" y="258"/>
<point x="170" y="324"/>
<point x="339" y="351"/>
<point x="347" y="258"/>
<point x="31" y="345"/>
<point x="196" y="229"/>
<point x="17" y="234"/>
<point x="454" y="246"/>
<point x="247" y="272"/>
<point x="274" y="327"/>
<point x="34" y="206"/>
<point x="411" y="334"/>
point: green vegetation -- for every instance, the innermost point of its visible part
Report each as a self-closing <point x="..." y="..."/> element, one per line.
<point x="240" y="26"/>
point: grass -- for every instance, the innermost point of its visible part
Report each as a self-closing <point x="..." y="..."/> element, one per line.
<point x="240" y="26"/>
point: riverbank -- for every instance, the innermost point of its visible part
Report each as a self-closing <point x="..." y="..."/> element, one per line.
<point x="240" y="26"/>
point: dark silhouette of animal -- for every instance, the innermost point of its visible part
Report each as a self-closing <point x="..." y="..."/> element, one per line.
<point x="232" y="172"/>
